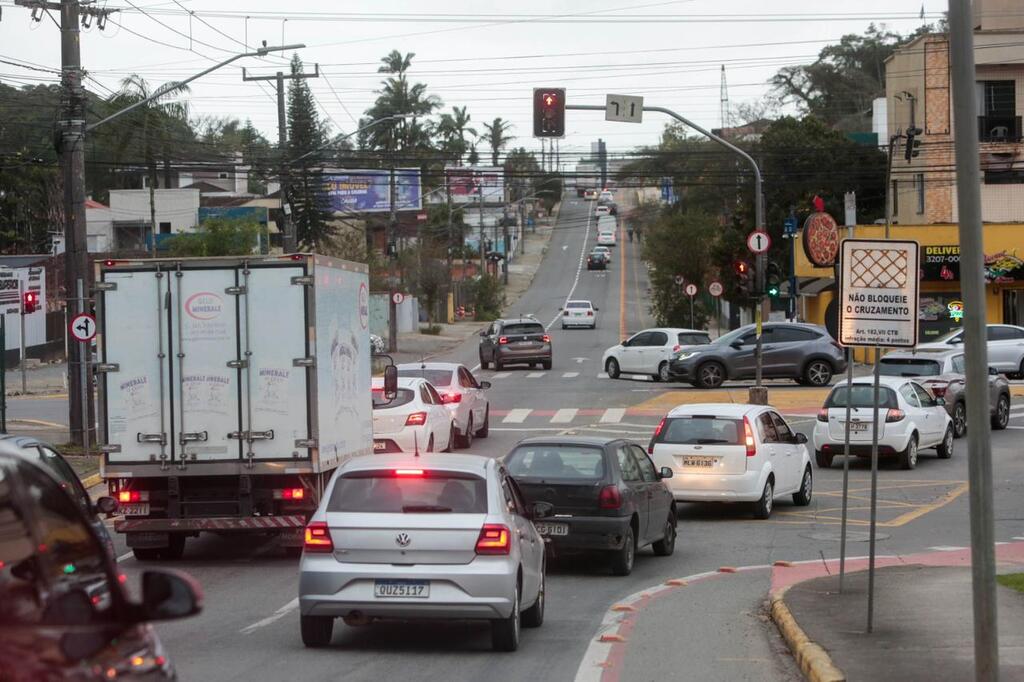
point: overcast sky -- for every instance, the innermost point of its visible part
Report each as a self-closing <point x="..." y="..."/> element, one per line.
<point x="483" y="54"/>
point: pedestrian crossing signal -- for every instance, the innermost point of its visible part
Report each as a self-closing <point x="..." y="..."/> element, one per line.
<point x="29" y="302"/>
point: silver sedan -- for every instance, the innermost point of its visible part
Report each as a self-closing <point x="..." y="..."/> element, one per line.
<point x="438" y="537"/>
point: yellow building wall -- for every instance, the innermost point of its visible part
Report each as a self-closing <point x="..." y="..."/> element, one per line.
<point x="998" y="237"/>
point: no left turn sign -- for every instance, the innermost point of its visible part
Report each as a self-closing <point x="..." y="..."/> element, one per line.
<point x="83" y="327"/>
<point x="758" y="242"/>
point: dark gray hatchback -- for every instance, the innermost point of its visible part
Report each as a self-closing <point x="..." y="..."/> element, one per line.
<point x="790" y="350"/>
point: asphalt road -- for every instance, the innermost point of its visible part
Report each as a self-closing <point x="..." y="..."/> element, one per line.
<point x="249" y="627"/>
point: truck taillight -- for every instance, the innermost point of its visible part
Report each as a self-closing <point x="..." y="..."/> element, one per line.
<point x="748" y="438"/>
<point x="126" y="496"/>
<point x="318" y="538"/>
<point x="290" y="494"/>
<point x="494" y="538"/>
<point x="609" y="497"/>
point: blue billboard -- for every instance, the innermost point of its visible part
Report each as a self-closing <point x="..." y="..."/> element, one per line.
<point x="368" y="191"/>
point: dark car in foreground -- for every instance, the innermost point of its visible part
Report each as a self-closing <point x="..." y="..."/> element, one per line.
<point x="64" y="612"/>
<point x="515" y="341"/>
<point x="941" y="371"/>
<point x="607" y="496"/>
<point x="597" y="260"/>
<point x="789" y="350"/>
<point x="45" y="455"/>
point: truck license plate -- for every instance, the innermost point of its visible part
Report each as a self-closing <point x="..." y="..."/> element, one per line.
<point x="401" y="589"/>
<point x="134" y="509"/>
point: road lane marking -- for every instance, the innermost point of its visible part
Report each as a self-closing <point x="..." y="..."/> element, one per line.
<point x="502" y="375"/>
<point x="579" y="269"/>
<point x="125" y="556"/>
<point x="946" y="548"/>
<point x="535" y="375"/>
<point x="278" y="615"/>
<point x="564" y="416"/>
<point x="516" y="416"/>
<point x="602" y="375"/>
<point x="622" y="291"/>
<point x="570" y="375"/>
<point x="612" y="415"/>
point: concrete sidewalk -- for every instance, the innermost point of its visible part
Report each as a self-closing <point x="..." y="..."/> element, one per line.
<point x="923" y="622"/>
<point x="39" y="379"/>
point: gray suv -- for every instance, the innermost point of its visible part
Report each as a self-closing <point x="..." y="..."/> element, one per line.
<point x="790" y="350"/>
<point x="516" y="341"/>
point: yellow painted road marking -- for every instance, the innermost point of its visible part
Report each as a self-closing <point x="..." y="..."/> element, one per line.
<point x="52" y="396"/>
<point x="831" y="516"/>
<point x="37" y="422"/>
<point x="622" y="287"/>
<point x="781" y="398"/>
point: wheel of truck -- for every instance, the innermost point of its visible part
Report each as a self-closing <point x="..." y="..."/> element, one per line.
<point x="146" y="553"/>
<point x="175" y="548"/>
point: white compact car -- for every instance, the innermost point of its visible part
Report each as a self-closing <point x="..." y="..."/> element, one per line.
<point x="727" y="452"/>
<point x="416" y="420"/>
<point x="438" y="537"/>
<point x="606" y="195"/>
<point x="606" y="238"/>
<point x="460" y="392"/>
<point x="911" y="418"/>
<point x="602" y="209"/>
<point x="650" y="352"/>
<point x="579" y="314"/>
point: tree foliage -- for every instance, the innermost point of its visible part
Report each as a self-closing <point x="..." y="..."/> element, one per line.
<point x="218" y="237"/>
<point x="399" y="96"/>
<point x="661" y="248"/>
<point x="496" y="135"/>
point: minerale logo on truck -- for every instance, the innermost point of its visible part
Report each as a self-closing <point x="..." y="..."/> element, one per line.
<point x="205" y="305"/>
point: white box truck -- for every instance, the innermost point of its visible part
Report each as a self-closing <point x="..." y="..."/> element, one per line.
<point x="229" y="390"/>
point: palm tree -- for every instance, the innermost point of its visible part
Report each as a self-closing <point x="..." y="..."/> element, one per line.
<point x="398" y="96"/>
<point x="496" y="137"/>
<point x="452" y="130"/>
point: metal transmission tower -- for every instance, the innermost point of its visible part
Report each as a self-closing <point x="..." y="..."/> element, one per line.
<point x="282" y="145"/>
<point x="724" y="101"/>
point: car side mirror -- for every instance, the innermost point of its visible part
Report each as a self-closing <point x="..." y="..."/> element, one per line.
<point x="169" y="595"/>
<point x="625" y="343"/>
<point x="940" y="401"/>
<point x="736" y="345"/>
<point x="105" y="505"/>
<point x="483" y="332"/>
<point x="992" y="371"/>
<point x="390" y="382"/>
<point x="799" y="439"/>
<point x="665" y="472"/>
<point x="596" y="309"/>
<point x="541" y="510"/>
<point x="485" y="384"/>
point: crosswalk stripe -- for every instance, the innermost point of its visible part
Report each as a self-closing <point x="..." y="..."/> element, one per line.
<point x="613" y="415"/>
<point x="516" y="416"/>
<point x="535" y="375"/>
<point x="570" y="375"/>
<point x="946" y="548"/>
<point x="502" y="375"/>
<point x="602" y="375"/>
<point x="564" y="416"/>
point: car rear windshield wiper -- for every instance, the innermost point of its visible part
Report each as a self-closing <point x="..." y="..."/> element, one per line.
<point x="414" y="508"/>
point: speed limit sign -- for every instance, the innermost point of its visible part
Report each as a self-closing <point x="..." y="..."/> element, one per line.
<point x="715" y="288"/>
<point x="691" y="289"/>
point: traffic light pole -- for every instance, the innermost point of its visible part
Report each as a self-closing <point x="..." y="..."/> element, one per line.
<point x="757" y="395"/>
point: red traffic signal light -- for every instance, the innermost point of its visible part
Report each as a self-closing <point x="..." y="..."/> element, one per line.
<point x="741" y="268"/>
<point x="29" y="302"/>
<point x="549" y="112"/>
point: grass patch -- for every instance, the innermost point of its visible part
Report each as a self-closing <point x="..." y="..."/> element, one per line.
<point x="432" y="330"/>
<point x="1015" y="581"/>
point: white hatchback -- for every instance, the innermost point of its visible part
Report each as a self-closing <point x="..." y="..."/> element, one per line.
<point x="579" y="314"/>
<point x="650" y="351"/>
<point x="911" y="419"/>
<point x="415" y="421"/>
<point x="727" y="452"/>
<point x="460" y="393"/>
<point x="606" y="238"/>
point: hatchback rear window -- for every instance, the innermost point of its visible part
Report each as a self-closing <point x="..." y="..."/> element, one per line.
<point x="863" y="396"/>
<point x="909" y="367"/>
<point x="523" y="328"/>
<point x="438" y="377"/>
<point x="409" y="492"/>
<point x="701" y="430"/>
<point x="564" y="462"/>
<point x="405" y="396"/>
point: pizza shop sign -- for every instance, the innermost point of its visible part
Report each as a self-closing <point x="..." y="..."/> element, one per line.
<point x="941" y="263"/>
<point x="821" y="237"/>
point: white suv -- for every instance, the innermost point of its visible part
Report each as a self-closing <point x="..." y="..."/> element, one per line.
<point x="726" y="452"/>
<point x="1005" y="347"/>
<point x="911" y="419"/>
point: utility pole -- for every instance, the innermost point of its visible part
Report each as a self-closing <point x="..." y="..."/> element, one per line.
<point x="282" y="145"/>
<point x="392" y="253"/>
<point x="480" y="206"/>
<point x="972" y="283"/>
<point x="602" y="157"/>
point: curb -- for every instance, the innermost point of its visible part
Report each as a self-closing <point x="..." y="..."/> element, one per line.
<point x="91" y="480"/>
<point x="813" y="660"/>
<point x="37" y="422"/>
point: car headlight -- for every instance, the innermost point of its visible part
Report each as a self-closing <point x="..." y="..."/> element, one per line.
<point x="686" y="355"/>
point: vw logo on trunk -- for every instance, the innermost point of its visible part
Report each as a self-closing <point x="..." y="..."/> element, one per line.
<point x="402" y="540"/>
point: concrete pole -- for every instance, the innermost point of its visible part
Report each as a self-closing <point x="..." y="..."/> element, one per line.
<point x="972" y="283"/>
<point x="288" y="242"/>
<point x="392" y="240"/>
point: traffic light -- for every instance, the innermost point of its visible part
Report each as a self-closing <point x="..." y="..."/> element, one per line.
<point x="913" y="144"/>
<point x="741" y="269"/>
<point x="29" y="302"/>
<point x="549" y="112"/>
<point x="773" y="280"/>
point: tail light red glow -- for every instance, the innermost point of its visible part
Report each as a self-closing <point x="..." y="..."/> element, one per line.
<point x="894" y="415"/>
<point x="495" y="538"/>
<point x="748" y="438"/>
<point x="590" y="313"/>
<point x="609" y="497"/>
<point x="502" y="340"/>
<point x="408" y="472"/>
<point x="448" y="398"/>
<point x="293" y="494"/>
<point x="823" y="414"/>
<point x="318" y="538"/>
<point x="126" y="496"/>
<point x="676" y="348"/>
<point x="416" y="419"/>
<point x="657" y="432"/>
<point x="546" y="339"/>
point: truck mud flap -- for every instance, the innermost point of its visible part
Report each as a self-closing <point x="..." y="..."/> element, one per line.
<point x="229" y="523"/>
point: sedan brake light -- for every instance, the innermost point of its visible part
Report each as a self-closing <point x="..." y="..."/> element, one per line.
<point x="676" y="348"/>
<point x="416" y="419"/>
<point x="502" y="340"/>
<point x="609" y="497"/>
<point x="546" y="338"/>
<point x="318" y="538"/>
<point x="449" y="398"/>
<point x="823" y="414"/>
<point x="590" y="313"/>
<point x="748" y="438"/>
<point x="894" y="415"/>
<point x="494" y="538"/>
<point x="408" y="472"/>
<point x="657" y="432"/>
<point x="938" y="389"/>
